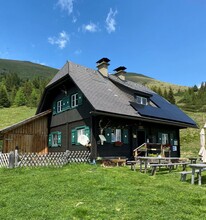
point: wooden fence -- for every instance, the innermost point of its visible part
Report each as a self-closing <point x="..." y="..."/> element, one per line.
<point x="4" y="159"/>
<point x="57" y="159"/>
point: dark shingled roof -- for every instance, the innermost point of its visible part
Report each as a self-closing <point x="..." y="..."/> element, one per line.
<point x="105" y="96"/>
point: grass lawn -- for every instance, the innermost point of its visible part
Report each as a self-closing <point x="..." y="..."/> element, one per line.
<point x="83" y="191"/>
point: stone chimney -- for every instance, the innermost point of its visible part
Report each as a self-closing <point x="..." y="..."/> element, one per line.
<point x="120" y="71"/>
<point x="102" y="66"/>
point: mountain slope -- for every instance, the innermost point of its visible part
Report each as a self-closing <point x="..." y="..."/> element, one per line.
<point x="26" y="69"/>
<point x="151" y="82"/>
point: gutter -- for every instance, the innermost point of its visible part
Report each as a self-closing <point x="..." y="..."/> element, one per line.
<point x="154" y="120"/>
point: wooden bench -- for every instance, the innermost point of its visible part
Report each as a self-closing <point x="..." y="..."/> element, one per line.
<point x="184" y="174"/>
<point x="133" y="164"/>
<point x="167" y="165"/>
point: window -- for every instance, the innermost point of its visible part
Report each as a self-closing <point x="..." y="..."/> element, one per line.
<point x="165" y="139"/>
<point x="114" y="135"/>
<point x="74" y="100"/>
<point x="59" y="106"/>
<point x="80" y="132"/>
<point x="55" y="139"/>
<point x="76" y="132"/>
<point x="67" y="102"/>
<point x="141" y="100"/>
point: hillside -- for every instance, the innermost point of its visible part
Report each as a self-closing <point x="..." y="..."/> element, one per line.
<point x="151" y="82"/>
<point x="26" y="69"/>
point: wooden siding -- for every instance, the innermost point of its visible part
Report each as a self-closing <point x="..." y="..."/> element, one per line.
<point x="29" y="137"/>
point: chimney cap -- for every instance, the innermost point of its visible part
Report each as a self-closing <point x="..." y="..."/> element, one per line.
<point x="104" y="59"/>
<point x="121" y="68"/>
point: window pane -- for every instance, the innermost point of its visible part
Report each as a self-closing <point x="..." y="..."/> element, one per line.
<point x="113" y="137"/>
<point x="118" y="135"/>
<point x="165" y="139"/>
<point x="144" y="101"/>
<point x="59" y="106"/>
<point x="54" y="140"/>
<point x="74" y="100"/>
<point x="80" y="132"/>
<point x="141" y="100"/>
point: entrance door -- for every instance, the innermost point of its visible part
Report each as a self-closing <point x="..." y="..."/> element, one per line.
<point x="140" y="137"/>
<point x="141" y="140"/>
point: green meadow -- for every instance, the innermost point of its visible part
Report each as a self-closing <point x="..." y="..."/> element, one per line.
<point x="83" y="191"/>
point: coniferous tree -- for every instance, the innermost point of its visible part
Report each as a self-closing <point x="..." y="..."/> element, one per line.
<point x="165" y="94"/>
<point x="171" y="98"/>
<point x="34" y="98"/>
<point x="159" y="91"/>
<point x="4" y="98"/>
<point x="20" y="98"/>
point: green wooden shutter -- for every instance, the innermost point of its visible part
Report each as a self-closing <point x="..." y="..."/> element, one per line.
<point x="54" y="108"/>
<point x="50" y="140"/>
<point x="87" y="131"/>
<point x="160" y="137"/>
<point x="59" y="140"/>
<point x="80" y="98"/>
<point x="125" y="136"/>
<point x="74" y="136"/>
<point x="171" y="139"/>
<point x="108" y="135"/>
<point x="65" y="103"/>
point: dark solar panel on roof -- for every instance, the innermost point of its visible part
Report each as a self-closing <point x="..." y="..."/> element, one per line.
<point x="165" y="111"/>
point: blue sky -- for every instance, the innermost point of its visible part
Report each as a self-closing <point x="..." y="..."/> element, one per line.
<point x="163" y="39"/>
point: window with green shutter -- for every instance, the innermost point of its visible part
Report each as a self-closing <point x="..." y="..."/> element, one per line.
<point x="76" y="132"/>
<point x="55" y="139"/>
<point x="67" y="102"/>
<point x="113" y="135"/>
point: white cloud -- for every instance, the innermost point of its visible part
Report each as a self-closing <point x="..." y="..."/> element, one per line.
<point x="91" y="27"/>
<point x="66" y="5"/>
<point x="61" y="41"/>
<point x="110" y="21"/>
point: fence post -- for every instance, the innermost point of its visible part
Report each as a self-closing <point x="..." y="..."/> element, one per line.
<point x="11" y="159"/>
<point x="16" y="159"/>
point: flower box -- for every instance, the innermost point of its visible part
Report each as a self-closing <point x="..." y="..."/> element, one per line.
<point x="118" y="143"/>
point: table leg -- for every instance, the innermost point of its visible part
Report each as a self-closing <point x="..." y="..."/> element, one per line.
<point x="145" y="166"/>
<point x="193" y="176"/>
<point x="140" y="167"/>
<point x="200" y="177"/>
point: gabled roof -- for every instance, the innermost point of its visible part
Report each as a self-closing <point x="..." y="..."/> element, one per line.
<point x="28" y="120"/>
<point x="106" y="96"/>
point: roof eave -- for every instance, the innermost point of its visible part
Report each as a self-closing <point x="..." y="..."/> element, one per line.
<point x="147" y="119"/>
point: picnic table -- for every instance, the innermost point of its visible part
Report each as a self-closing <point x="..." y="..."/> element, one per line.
<point x="160" y="160"/>
<point x="200" y="167"/>
<point x="193" y="159"/>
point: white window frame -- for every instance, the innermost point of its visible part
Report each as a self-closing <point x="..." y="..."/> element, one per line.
<point x="80" y="131"/>
<point x="74" y="100"/>
<point x="54" y="140"/>
<point x="59" y="106"/>
<point x="165" y="138"/>
<point x="141" y="100"/>
<point x="116" y="135"/>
